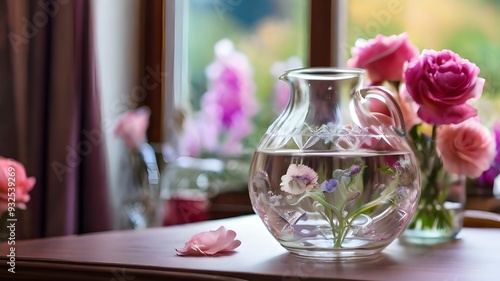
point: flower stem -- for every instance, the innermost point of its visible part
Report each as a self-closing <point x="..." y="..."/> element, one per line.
<point x="341" y="235"/>
<point x="431" y="212"/>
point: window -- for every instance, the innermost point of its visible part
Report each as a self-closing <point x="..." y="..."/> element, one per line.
<point x="319" y="33"/>
<point x="258" y="34"/>
<point x="263" y="31"/>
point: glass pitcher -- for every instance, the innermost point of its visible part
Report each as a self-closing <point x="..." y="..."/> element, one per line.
<point x="332" y="177"/>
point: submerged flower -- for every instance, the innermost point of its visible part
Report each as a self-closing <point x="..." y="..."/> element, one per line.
<point x="210" y="243"/>
<point x="442" y="83"/>
<point x="355" y="169"/>
<point x="260" y="182"/>
<point x="329" y="185"/>
<point x="299" y="178"/>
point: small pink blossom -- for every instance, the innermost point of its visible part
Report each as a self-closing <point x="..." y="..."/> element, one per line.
<point x="210" y="243"/>
<point x="442" y="83"/>
<point x="298" y="179"/>
<point x="466" y="149"/>
<point x="14" y="173"/>
<point x="132" y="125"/>
<point x="383" y="57"/>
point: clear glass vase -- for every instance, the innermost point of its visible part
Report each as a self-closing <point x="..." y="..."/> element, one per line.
<point x="331" y="179"/>
<point x="440" y="212"/>
<point x="141" y="205"/>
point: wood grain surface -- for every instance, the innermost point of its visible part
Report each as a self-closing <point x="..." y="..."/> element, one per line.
<point x="150" y="255"/>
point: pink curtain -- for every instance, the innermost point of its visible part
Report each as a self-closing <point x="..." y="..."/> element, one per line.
<point x="49" y="103"/>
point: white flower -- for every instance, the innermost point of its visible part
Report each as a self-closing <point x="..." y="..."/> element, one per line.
<point x="298" y="179"/>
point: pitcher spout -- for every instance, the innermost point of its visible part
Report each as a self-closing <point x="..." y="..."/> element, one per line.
<point x="286" y="75"/>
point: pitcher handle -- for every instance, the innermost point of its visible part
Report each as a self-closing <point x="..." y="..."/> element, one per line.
<point x="384" y="95"/>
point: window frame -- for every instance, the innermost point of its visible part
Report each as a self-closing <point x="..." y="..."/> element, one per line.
<point x="327" y="19"/>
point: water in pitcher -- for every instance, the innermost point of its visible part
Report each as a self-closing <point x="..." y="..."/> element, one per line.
<point x="313" y="200"/>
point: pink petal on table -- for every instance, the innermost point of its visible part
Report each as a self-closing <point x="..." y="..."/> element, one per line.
<point x="210" y="242"/>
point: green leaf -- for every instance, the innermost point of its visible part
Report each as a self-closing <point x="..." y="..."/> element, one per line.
<point x="318" y="196"/>
<point x="385" y="195"/>
<point x="415" y="134"/>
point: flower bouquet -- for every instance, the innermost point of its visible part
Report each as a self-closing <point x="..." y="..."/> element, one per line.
<point x="436" y="91"/>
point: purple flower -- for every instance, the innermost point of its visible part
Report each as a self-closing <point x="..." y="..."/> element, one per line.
<point x="329" y="185"/>
<point x="488" y="177"/>
<point x="355" y="169"/>
<point x="231" y="87"/>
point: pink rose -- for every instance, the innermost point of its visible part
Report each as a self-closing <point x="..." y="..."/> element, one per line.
<point x="132" y="126"/>
<point x="13" y="173"/>
<point x="442" y="83"/>
<point x="383" y="57"/>
<point x="467" y="148"/>
<point x="210" y="243"/>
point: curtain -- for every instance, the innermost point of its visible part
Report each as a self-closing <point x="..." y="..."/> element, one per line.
<point x="49" y="103"/>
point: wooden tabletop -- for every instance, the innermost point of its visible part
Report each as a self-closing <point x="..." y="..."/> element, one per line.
<point x="150" y="255"/>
